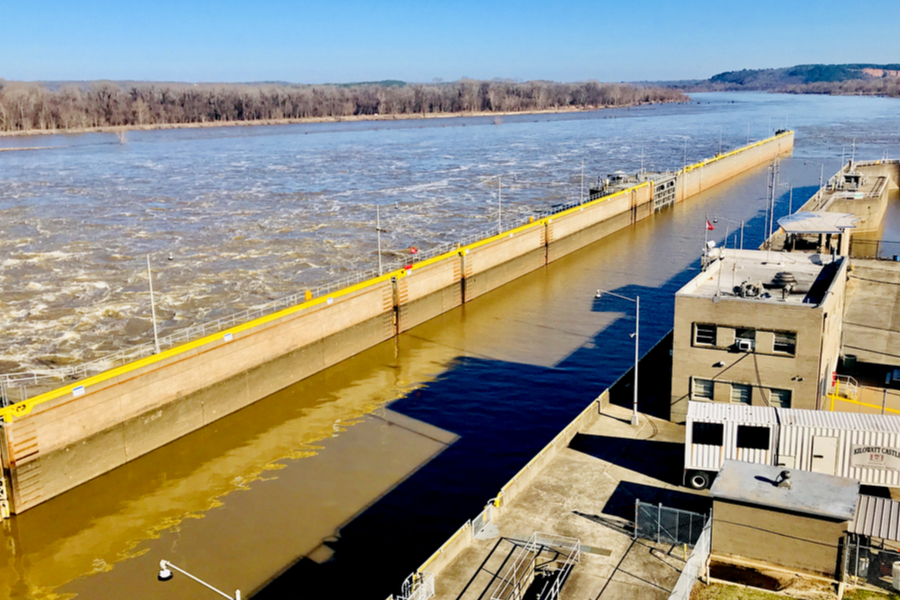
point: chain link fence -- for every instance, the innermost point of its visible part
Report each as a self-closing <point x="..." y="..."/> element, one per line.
<point x="665" y="525"/>
<point x="696" y="565"/>
<point x="870" y="564"/>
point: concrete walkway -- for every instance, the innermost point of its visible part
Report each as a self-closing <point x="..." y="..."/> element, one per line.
<point x="588" y="491"/>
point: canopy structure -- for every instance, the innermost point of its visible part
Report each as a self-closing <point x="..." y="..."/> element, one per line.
<point x="817" y="222"/>
<point x="877" y="517"/>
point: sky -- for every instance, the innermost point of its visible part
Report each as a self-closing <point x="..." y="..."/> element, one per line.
<point x="419" y="40"/>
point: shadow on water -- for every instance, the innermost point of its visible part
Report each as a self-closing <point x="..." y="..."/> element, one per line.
<point x="504" y="412"/>
<point x="498" y="430"/>
<point x="504" y="373"/>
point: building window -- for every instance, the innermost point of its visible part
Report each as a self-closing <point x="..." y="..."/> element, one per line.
<point x="702" y="389"/>
<point x="785" y="342"/>
<point x="745" y="339"/>
<point x="780" y="398"/>
<point x="710" y="434"/>
<point x="753" y="437"/>
<point x="741" y="393"/>
<point x="704" y="335"/>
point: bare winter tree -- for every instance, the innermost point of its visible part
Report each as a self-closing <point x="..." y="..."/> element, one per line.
<point x="25" y="107"/>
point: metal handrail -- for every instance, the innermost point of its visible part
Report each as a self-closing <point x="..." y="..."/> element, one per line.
<point x="43" y="377"/>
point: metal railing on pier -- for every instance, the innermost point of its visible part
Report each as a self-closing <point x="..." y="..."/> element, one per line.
<point x="20" y="386"/>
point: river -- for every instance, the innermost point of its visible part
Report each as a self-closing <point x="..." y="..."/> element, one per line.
<point x="344" y="483"/>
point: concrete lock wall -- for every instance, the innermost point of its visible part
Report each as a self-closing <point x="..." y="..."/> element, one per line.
<point x="70" y="439"/>
<point x="59" y="439"/>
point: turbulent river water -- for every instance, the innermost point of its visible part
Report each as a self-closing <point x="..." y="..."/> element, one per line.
<point x="254" y="213"/>
<point x="368" y="466"/>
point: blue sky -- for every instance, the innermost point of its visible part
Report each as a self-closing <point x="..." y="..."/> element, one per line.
<point x="342" y="41"/>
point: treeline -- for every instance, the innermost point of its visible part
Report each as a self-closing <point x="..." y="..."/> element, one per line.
<point x="29" y="106"/>
<point x="855" y="87"/>
<point x="847" y="79"/>
<point x="887" y="86"/>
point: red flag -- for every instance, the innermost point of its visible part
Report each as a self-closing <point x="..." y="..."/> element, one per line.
<point x="413" y="250"/>
<point x="709" y="226"/>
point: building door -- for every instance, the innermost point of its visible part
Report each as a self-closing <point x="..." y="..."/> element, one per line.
<point x="824" y="456"/>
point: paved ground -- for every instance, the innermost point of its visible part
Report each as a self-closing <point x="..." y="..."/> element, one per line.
<point x="588" y="492"/>
<point x="872" y="314"/>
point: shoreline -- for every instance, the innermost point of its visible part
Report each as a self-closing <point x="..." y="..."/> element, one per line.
<point x="307" y="120"/>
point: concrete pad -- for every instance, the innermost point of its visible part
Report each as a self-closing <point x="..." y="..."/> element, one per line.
<point x="587" y="491"/>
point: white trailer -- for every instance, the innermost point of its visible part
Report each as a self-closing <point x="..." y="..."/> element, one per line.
<point x="865" y="447"/>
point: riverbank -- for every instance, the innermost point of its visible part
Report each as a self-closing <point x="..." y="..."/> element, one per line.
<point x="119" y="129"/>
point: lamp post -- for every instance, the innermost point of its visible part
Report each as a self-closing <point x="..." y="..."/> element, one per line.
<point x="637" y="341"/>
<point x="499" y="179"/>
<point x="152" y="306"/>
<point x="165" y="574"/>
<point x="378" y="229"/>
<point x="741" y="223"/>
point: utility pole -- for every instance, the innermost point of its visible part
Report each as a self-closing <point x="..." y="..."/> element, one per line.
<point x="499" y="179"/>
<point x="378" y="230"/>
<point x="500" y="204"/>
<point x="582" y="180"/>
<point x="152" y="306"/>
<point x="637" y="342"/>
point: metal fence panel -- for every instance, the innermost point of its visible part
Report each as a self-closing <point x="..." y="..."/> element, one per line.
<point x="666" y="525"/>
<point x="695" y="566"/>
<point x="418" y="587"/>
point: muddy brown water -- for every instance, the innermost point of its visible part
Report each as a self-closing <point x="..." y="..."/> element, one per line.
<point x="344" y="483"/>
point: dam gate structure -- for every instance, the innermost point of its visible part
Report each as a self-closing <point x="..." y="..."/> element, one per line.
<point x="59" y="431"/>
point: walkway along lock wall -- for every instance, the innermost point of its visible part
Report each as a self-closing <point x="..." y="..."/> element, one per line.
<point x="61" y="438"/>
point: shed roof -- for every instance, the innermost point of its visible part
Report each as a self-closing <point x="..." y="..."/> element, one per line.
<point x="811" y="494"/>
<point x="838" y="420"/>
<point x="817" y="222"/>
<point x="719" y="412"/>
<point x="877" y="517"/>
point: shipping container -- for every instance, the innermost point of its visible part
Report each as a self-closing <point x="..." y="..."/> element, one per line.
<point x="864" y="447"/>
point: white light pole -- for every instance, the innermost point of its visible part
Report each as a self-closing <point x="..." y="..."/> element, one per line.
<point x="165" y="574"/>
<point x="499" y="204"/>
<point x="741" y="223"/>
<point x="378" y="230"/>
<point x="152" y="306"/>
<point x="499" y="179"/>
<point x="637" y="341"/>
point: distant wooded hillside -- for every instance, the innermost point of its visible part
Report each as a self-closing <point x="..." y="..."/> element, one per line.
<point x="848" y="79"/>
<point x="82" y="106"/>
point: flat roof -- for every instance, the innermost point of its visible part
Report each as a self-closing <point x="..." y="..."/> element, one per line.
<point x="719" y="412"/>
<point x="760" y="271"/>
<point x="806" y="222"/>
<point x="811" y="493"/>
<point x="872" y="313"/>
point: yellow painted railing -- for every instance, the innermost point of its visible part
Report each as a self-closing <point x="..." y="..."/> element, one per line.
<point x="25" y="407"/>
<point x="719" y="157"/>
